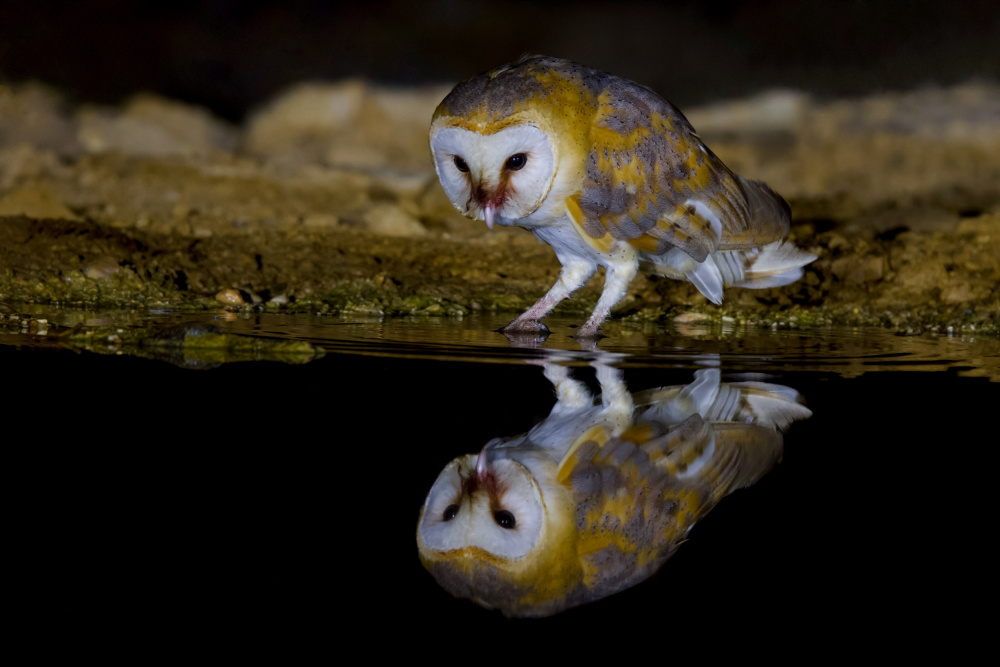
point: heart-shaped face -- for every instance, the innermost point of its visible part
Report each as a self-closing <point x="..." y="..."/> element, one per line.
<point x="499" y="177"/>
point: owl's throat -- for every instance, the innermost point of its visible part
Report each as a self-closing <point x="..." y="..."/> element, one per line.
<point x="492" y="202"/>
<point x="482" y="478"/>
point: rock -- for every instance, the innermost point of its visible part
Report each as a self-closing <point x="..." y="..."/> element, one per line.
<point x="320" y="221"/>
<point x="24" y="162"/>
<point x="230" y="297"/>
<point x="32" y="114"/>
<point x="347" y="124"/>
<point x="152" y="126"/>
<point x="984" y="226"/>
<point x="402" y="184"/>
<point x="960" y="293"/>
<point x="37" y="200"/>
<point x="102" y="268"/>
<point x="858" y="270"/>
<point x="689" y="317"/>
<point x="771" y="112"/>
<point x="391" y="220"/>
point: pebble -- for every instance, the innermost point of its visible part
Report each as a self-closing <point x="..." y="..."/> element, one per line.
<point x="230" y="297"/>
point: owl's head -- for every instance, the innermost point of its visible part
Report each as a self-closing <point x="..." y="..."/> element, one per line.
<point x="488" y="528"/>
<point x="496" y="176"/>
<point x="503" y="140"/>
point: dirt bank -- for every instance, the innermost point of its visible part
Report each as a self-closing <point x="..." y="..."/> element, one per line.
<point x="325" y="201"/>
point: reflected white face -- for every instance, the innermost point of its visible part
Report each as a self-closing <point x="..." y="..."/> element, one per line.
<point x="498" y="509"/>
<point x="498" y="177"/>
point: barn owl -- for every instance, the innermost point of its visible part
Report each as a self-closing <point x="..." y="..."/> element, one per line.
<point x="598" y="495"/>
<point x="609" y="174"/>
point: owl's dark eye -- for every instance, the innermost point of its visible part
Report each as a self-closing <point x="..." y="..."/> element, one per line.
<point x="462" y="166"/>
<point x="516" y="161"/>
<point x="505" y="519"/>
<point x="449" y="512"/>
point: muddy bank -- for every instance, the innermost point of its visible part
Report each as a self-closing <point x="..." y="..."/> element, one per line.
<point x="325" y="202"/>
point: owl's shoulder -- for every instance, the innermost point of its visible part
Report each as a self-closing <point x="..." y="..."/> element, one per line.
<point x="627" y="108"/>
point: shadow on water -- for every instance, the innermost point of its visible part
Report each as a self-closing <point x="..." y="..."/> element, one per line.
<point x="271" y="495"/>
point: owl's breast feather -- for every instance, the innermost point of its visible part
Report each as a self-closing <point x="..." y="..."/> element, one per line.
<point x="567" y="242"/>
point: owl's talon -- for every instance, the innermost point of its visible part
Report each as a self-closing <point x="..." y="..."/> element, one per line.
<point x="528" y="333"/>
<point x="589" y="332"/>
<point x="524" y="327"/>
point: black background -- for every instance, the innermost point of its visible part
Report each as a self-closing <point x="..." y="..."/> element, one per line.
<point x="231" y="55"/>
<point x="263" y="505"/>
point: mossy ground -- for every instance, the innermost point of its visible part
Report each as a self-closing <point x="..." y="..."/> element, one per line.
<point x="912" y="282"/>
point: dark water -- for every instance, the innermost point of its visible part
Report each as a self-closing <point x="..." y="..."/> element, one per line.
<point x="267" y="498"/>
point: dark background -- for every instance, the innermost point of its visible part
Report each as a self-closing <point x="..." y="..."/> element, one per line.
<point x="231" y="55"/>
<point x="266" y="509"/>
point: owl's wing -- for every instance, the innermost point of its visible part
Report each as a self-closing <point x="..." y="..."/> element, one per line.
<point x="652" y="182"/>
<point x="645" y="450"/>
<point x="636" y="495"/>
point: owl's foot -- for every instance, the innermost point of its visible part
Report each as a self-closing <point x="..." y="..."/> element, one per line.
<point x="588" y="332"/>
<point x="521" y="327"/>
<point x="525" y="333"/>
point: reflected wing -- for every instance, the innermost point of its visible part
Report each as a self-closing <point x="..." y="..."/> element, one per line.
<point x="638" y="494"/>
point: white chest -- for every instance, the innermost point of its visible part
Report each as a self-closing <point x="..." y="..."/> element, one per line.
<point x="566" y="241"/>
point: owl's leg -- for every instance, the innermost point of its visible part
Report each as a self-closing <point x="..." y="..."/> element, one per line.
<point x="575" y="272"/>
<point x="620" y="274"/>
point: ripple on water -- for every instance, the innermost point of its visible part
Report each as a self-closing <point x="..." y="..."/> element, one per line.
<point x="846" y="351"/>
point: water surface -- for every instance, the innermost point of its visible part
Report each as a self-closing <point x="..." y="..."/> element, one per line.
<point x="259" y="495"/>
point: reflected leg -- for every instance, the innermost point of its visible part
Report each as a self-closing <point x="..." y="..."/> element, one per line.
<point x="615" y="396"/>
<point x="571" y="394"/>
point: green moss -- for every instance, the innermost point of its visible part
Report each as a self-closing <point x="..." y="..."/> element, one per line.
<point x="191" y="345"/>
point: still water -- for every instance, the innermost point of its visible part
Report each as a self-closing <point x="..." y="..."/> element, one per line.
<point x="273" y="495"/>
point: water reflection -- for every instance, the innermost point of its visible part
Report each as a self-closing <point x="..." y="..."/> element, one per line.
<point x="598" y="495"/>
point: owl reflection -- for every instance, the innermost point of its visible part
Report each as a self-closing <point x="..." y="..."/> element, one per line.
<point x="597" y="496"/>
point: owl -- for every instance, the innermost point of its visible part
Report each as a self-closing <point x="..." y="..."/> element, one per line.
<point x="598" y="495"/>
<point x="609" y="174"/>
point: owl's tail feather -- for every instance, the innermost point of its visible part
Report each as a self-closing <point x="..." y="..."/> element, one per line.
<point x="709" y="280"/>
<point x="768" y="218"/>
<point x="772" y="405"/>
<point x="776" y="264"/>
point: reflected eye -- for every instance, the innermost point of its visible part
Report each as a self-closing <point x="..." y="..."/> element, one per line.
<point x="505" y="519"/>
<point x="516" y="161"/>
<point x="449" y="512"/>
<point x="462" y="166"/>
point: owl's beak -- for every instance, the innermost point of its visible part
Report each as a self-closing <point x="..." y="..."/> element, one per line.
<point x="482" y="465"/>
<point x="488" y="213"/>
